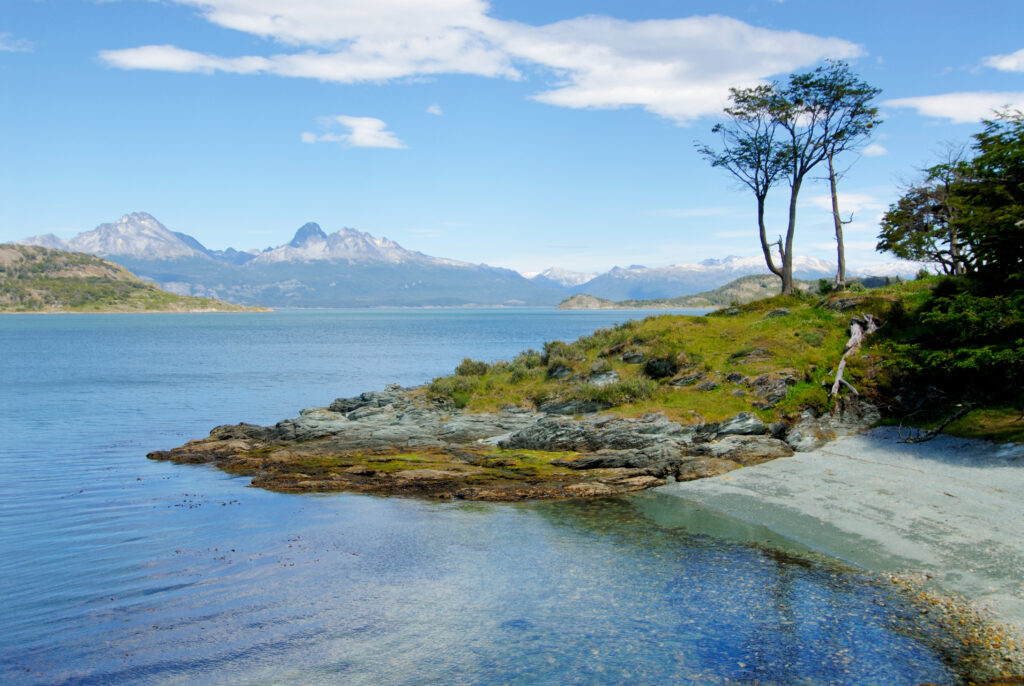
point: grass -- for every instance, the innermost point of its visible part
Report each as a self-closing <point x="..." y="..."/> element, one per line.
<point x="726" y="347"/>
<point x="717" y="346"/>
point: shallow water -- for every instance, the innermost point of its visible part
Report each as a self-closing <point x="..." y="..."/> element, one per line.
<point x="116" y="568"/>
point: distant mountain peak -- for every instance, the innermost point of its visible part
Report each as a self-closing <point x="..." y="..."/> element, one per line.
<point x="564" y="278"/>
<point x="137" y="234"/>
<point x="305" y="232"/>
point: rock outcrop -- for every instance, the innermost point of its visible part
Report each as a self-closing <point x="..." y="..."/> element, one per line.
<point x="393" y="442"/>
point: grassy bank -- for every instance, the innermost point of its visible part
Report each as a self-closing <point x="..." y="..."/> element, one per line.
<point x="703" y="369"/>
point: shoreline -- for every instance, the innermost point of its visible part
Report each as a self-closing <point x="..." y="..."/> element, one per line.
<point x="942" y="518"/>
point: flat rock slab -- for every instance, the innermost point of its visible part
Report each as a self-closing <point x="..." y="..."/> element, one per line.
<point x="949" y="508"/>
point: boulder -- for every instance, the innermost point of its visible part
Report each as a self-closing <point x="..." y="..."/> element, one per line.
<point x="603" y="378"/>
<point x="661" y="368"/>
<point x="703" y="467"/>
<point x="745" y="450"/>
<point x="633" y="357"/>
<point x="687" y="380"/>
<point x="743" y="424"/>
<point x="392" y="396"/>
<point x="559" y="371"/>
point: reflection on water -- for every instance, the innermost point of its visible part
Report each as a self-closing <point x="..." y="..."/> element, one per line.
<point x="117" y="569"/>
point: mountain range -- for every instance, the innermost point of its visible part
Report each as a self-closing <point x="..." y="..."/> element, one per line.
<point x="350" y="268"/>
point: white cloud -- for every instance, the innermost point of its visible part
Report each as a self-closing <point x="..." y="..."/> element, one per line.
<point x="171" y="58"/>
<point x="363" y="132"/>
<point x="435" y="110"/>
<point x="961" y="108"/>
<point x="676" y="68"/>
<point x="874" y="150"/>
<point x="1012" y="62"/>
<point x="9" y="43"/>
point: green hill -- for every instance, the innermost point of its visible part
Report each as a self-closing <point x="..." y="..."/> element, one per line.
<point x="34" y="279"/>
<point x="742" y="290"/>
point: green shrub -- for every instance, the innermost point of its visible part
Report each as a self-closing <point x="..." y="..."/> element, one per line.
<point x="618" y="393"/>
<point x="470" y="367"/>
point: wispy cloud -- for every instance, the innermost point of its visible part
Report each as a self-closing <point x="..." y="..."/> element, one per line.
<point x="1012" y="62"/>
<point x="677" y="68"/>
<point x="435" y="110"/>
<point x="961" y="108"/>
<point x="9" y="43"/>
<point x="362" y="132"/>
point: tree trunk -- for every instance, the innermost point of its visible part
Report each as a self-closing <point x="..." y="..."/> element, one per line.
<point x="766" y="248"/>
<point x="787" y="252"/>
<point x="840" y="248"/>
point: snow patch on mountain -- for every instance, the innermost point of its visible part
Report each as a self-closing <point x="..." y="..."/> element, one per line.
<point x="561" y="277"/>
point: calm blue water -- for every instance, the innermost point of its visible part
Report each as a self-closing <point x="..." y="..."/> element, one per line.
<point x="114" y="568"/>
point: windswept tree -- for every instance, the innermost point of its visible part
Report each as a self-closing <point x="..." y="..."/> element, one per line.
<point x="774" y="133"/>
<point x="838" y="105"/>
<point x="968" y="215"/>
<point x="925" y="225"/>
<point x="753" y="152"/>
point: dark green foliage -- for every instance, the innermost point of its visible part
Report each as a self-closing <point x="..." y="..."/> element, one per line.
<point x="993" y="201"/>
<point x="968" y="216"/>
<point x="963" y="342"/>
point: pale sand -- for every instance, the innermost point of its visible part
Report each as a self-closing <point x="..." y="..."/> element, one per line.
<point x="949" y="508"/>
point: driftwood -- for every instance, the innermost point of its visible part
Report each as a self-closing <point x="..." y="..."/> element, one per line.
<point x="921" y="437"/>
<point x="859" y="328"/>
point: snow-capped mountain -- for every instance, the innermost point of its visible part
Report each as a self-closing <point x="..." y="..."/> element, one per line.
<point x="315" y="269"/>
<point x="312" y="244"/>
<point x="137" y="235"/>
<point x="561" y="278"/>
<point x="641" y="283"/>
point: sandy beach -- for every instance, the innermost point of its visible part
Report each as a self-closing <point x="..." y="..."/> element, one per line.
<point x="951" y="510"/>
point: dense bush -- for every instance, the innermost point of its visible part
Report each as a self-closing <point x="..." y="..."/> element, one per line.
<point x="470" y="367"/>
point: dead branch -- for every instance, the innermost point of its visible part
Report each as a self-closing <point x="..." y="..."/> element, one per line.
<point x="929" y="435"/>
<point x="859" y="328"/>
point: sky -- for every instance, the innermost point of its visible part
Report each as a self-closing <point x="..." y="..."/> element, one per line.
<point x="517" y="133"/>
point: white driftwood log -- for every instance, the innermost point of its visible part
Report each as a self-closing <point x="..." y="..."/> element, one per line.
<point x="859" y="328"/>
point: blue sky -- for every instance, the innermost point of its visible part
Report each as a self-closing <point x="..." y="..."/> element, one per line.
<point x="521" y="134"/>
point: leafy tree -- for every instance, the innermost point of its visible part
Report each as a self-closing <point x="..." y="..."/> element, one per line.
<point x="775" y="132"/>
<point x="925" y="225"/>
<point x="839" y="105"/>
<point x="991" y="200"/>
<point x="968" y="216"/>
<point x="752" y="151"/>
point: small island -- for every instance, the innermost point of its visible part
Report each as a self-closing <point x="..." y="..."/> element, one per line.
<point x="41" y="280"/>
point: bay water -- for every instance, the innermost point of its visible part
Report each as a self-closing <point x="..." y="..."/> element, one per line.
<point x="118" y="569"/>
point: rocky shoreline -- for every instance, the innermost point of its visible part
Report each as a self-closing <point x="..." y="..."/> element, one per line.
<point x="395" y="442"/>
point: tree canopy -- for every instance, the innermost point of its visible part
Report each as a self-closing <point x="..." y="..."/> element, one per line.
<point x="967" y="216"/>
<point x="776" y="132"/>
